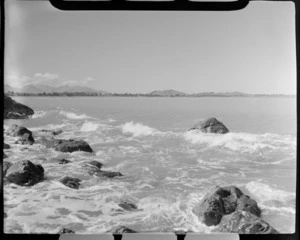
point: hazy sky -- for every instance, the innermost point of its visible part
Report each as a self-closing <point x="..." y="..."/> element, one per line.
<point x="251" y="50"/>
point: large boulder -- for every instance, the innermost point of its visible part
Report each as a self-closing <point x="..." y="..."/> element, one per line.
<point x="64" y="145"/>
<point x="211" y="125"/>
<point x="15" y="110"/>
<point x="244" y="222"/>
<point x="71" y="182"/>
<point x="17" y="131"/>
<point x="25" y="173"/>
<point x="26" y="139"/>
<point x="223" y="201"/>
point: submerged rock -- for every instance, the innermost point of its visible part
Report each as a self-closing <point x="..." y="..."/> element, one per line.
<point x="26" y="139"/>
<point x="65" y="230"/>
<point x="94" y="164"/>
<point x="15" y="110"/>
<point x="128" y="206"/>
<point x="63" y="161"/>
<point x="64" y="145"/>
<point x="211" y="125"/>
<point x="123" y="229"/>
<point x="244" y="222"/>
<point x="223" y="201"/>
<point x="71" y="182"/>
<point x="106" y="174"/>
<point x="6" y="146"/>
<point x="25" y="173"/>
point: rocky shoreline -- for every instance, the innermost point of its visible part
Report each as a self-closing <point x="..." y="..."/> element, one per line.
<point x="226" y="208"/>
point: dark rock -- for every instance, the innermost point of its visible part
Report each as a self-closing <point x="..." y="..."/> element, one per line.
<point x="128" y="206"/>
<point x="65" y="230"/>
<point x="94" y="164"/>
<point x="64" y="145"/>
<point x="4" y="155"/>
<point x="63" y="161"/>
<point x="26" y="139"/>
<point x="17" y="131"/>
<point x="6" y="146"/>
<point x="53" y="132"/>
<point x="223" y="201"/>
<point x="71" y="182"/>
<point x="243" y="222"/>
<point x="15" y="110"/>
<point x="5" y="215"/>
<point x="211" y="125"/>
<point x="25" y="173"/>
<point x="123" y="229"/>
<point x="106" y="174"/>
<point x="6" y="166"/>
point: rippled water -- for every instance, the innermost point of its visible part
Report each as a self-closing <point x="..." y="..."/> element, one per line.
<point x="167" y="170"/>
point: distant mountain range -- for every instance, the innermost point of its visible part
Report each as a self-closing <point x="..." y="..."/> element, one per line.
<point x="41" y="90"/>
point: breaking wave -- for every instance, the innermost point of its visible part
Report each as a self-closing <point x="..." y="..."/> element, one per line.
<point x="89" y="126"/>
<point x="72" y="115"/>
<point x="138" y="129"/>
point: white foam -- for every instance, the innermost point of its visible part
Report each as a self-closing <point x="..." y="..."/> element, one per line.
<point x="49" y="127"/>
<point x="264" y="192"/>
<point x="39" y="114"/>
<point x="72" y="115"/>
<point x="138" y="129"/>
<point x="89" y="126"/>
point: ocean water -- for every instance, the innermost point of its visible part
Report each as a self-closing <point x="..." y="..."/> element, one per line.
<point x="167" y="170"/>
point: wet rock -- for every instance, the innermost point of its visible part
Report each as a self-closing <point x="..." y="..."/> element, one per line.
<point x="17" y="131"/>
<point x="15" y="110"/>
<point x="64" y="145"/>
<point x="4" y="155"/>
<point x="211" y="125"/>
<point x="94" y="164"/>
<point x="6" y="146"/>
<point x="5" y="215"/>
<point x="71" y="182"/>
<point x="128" y="206"/>
<point x="53" y="132"/>
<point x="223" y="201"/>
<point x="244" y="222"/>
<point x="63" y="161"/>
<point x="65" y="230"/>
<point x="105" y="174"/>
<point x="25" y="173"/>
<point x="25" y="139"/>
<point x="123" y="229"/>
<point x="6" y="166"/>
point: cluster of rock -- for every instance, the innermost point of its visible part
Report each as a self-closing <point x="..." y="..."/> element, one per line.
<point x="232" y="211"/>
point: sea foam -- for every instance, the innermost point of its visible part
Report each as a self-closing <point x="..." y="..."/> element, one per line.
<point x="89" y="126"/>
<point x="72" y="115"/>
<point x="138" y="129"/>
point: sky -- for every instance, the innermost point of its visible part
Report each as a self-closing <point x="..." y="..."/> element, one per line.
<point x="251" y="50"/>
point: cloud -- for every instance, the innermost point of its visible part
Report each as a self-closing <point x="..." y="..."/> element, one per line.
<point x="46" y="75"/>
<point x="16" y="81"/>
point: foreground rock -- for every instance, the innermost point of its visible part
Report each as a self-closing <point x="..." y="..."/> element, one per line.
<point x="223" y="201"/>
<point x="6" y="146"/>
<point x="211" y="125"/>
<point x="64" y="145"/>
<point x="17" y="131"/>
<point x="71" y="182"/>
<point x="25" y="139"/>
<point x="15" y="110"/>
<point x="123" y="229"/>
<point x="25" y="173"/>
<point x="244" y="222"/>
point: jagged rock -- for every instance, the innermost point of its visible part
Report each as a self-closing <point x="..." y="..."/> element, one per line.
<point x="6" y="166"/>
<point x="211" y="125"/>
<point x="64" y="145"/>
<point x="244" y="222"/>
<point x="94" y="164"/>
<point x="17" y="131"/>
<point x="63" y="161"/>
<point x="225" y="200"/>
<point x="25" y="173"/>
<point x="123" y="229"/>
<point x="26" y="139"/>
<point x="106" y="174"/>
<point x="128" y="206"/>
<point x="6" y="146"/>
<point x="71" y="182"/>
<point x="65" y="230"/>
<point x="15" y="110"/>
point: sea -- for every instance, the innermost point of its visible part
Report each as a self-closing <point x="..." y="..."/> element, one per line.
<point x="167" y="169"/>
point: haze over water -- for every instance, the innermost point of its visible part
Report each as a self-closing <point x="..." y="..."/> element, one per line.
<point x="167" y="169"/>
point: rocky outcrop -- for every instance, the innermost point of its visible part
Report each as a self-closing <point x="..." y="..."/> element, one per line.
<point x="211" y="125"/>
<point x="244" y="222"/>
<point x="25" y="173"/>
<point x="225" y="200"/>
<point x="15" y="110"/>
<point x="64" y="145"/>
<point x="71" y="182"/>
<point x="25" y="139"/>
<point x="6" y="146"/>
<point x="123" y="229"/>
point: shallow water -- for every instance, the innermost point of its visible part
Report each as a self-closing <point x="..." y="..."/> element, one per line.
<point x="167" y="170"/>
